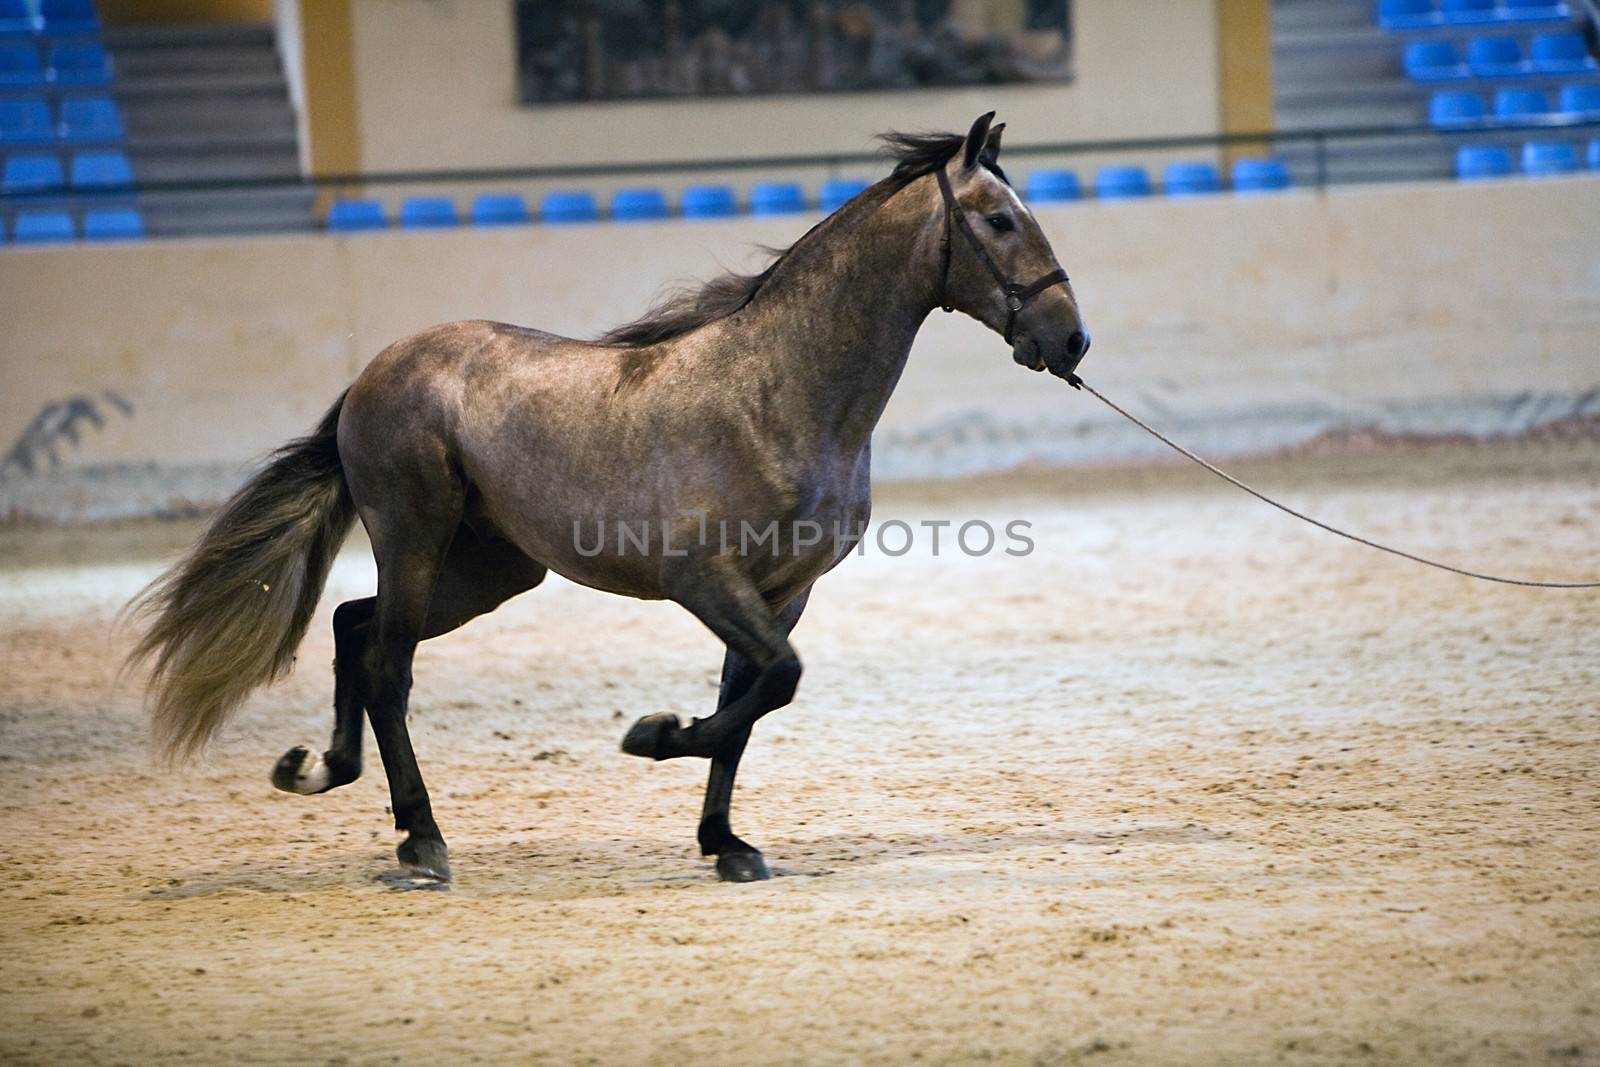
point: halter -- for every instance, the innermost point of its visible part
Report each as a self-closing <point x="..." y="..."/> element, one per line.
<point x="1016" y="295"/>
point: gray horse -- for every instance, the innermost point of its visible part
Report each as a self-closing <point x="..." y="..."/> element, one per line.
<point x="479" y="456"/>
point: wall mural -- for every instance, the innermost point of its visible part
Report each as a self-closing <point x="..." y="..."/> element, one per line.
<point x="580" y="50"/>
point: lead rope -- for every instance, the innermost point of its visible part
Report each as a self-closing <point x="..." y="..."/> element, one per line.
<point x="1078" y="383"/>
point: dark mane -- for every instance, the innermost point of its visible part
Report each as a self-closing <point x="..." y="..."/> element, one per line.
<point x="690" y="308"/>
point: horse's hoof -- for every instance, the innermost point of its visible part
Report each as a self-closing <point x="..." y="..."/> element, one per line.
<point x="647" y="736"/>
<point x="742" y="867"/>
<point x="302" y="771"/>
<point x="424" y="858"/>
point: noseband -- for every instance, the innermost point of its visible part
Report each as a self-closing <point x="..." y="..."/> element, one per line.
<point x="1016" y="295"/>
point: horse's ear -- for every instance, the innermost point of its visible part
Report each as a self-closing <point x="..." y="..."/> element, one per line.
<point x="991" y="146"/>
<point x="975" y="140"/>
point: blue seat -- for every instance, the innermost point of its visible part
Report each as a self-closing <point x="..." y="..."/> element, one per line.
<point x="1121" y="183"/>
<point x="32" y="172"/>
<point x="1520" y="105"/>
<point x="1479" y="162"/>
<point x="639" y="205"/>
<point x="837" y="192"/>
<point x="1560" y="53"/>
<point x="17" y="19"/>
<point x="350" y="216"/>
<point x="80" y="63"/>
<point x="91" y="120"/>
<point x="1433" y="61"/>
<point x="1407" y="14"/>
<point x="428" y="213"/>
<point x="1495" y="57"/>
<point x="1053" y="186"/>
<point x="112" y="224"/>
<point x="500" y="209"/>
<point x="40" y="227"/>
<point x="101" y="170"/>
<point x="777" y="198"/>
<point x="1580" y="100"/>
<point x="1467" y="12"/>
<point x="1544" y="159"/>
<point x="1594" y="154"/>
<point x="1534" y="11"/>
<point x="1260" y="176"/>
<point x="708" y="202"/>
<point x="21" y="67"/>
<point x="25" y="122"/>
<point x="1190" y="179"/>
<point x="69" y="16"/>
<point x="1456" y="109"/>
<point x="560" y="208"/>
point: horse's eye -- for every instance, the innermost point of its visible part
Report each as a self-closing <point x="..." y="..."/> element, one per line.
<point x="1001" y="223"/>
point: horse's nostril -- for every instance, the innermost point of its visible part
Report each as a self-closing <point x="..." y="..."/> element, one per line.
<point x="1077" y="344"/>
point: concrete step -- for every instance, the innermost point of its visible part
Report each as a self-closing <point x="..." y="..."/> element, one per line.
<point x="279" y="159"/>
<point x="201" y="35"/>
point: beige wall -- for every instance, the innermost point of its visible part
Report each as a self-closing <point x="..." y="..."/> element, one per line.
<point x="437" y="87"/>
<point x="1244" y="323"/>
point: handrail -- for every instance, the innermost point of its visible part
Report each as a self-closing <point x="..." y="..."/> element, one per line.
<point x="1319" y="138"/>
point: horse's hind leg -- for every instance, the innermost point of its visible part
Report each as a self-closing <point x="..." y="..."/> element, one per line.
<point x="300" y="770"/>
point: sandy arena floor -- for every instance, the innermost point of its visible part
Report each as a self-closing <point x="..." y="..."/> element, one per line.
<point x="1191" y="784"/>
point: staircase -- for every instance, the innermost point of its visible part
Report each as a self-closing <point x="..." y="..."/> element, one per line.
<point x="205" y="103"/>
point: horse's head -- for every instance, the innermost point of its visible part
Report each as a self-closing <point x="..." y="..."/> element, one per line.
<point x="997" y="265"/>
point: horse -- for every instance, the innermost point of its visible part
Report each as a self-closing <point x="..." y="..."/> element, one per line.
<point x="480" y="456"/>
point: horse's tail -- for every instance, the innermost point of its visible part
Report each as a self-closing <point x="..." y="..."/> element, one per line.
<point x="229" y="616"/>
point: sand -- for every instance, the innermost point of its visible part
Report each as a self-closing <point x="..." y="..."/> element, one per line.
<point x="1191" y="783"/>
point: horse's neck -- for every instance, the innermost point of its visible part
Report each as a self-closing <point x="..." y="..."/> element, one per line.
<point x="831" y="331"/>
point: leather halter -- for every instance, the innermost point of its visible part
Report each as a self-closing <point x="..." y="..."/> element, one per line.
<point x="1016" y="295"/>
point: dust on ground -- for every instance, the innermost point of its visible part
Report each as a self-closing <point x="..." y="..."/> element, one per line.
<point x="1190" y="783"/>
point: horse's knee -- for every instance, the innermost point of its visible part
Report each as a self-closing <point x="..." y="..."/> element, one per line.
<point x="779" y="681"/>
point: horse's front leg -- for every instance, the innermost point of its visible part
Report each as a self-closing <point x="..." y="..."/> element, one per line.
<point x="760" y="674"/>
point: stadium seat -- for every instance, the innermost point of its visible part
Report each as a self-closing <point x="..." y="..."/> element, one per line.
<point x="1260" y="176"/>
<point x="1407" y="14"/>
<point x="1534" y="11"/>
<point x="1053" y="186"/>
<point x="20" y="67"/>
<point x="112" y="224"/>
<point x="1434" y="61"/>
<point x="1594" y="154"/>
<point x="1560" y="53"/>
<point x="80" y="63"/>
<point x="17" y="19"/>
<point x="1190" y="179"/>
<point x="559" y="208"/>
<point x="40" y="227"/>
<point x="1456" y="109"/>
<point x="1121" y="183"/>
<point x="32" y="172"/>
<point x="69" y="16"/>
<point x="1495" y="57"/>
<point x="349" y="216"/>
<point x="837" y="192"/>
<point x="428" y="213"/>
<point x="1520" y="105"/>
<point x="500" y="209"/>
<point x="708" y="202"/>
<point x="91" y="120"/>
<point x="1467" y="12"/>
<point x="777" y="198"/>
<point x="1483" y="161"/>
<point x="101" y="170"/>
<point x="1580" y="100"/>
<point x="25" y="122"/>
<point x="1543" y="159"/>
<point x="639" y="205"/>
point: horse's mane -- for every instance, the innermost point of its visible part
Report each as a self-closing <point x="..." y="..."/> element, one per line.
<point x="686" y="309"/>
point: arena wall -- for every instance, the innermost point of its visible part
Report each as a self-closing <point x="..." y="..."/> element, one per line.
<point x="437" y="85"/>
<point x="1243" y="324"/>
